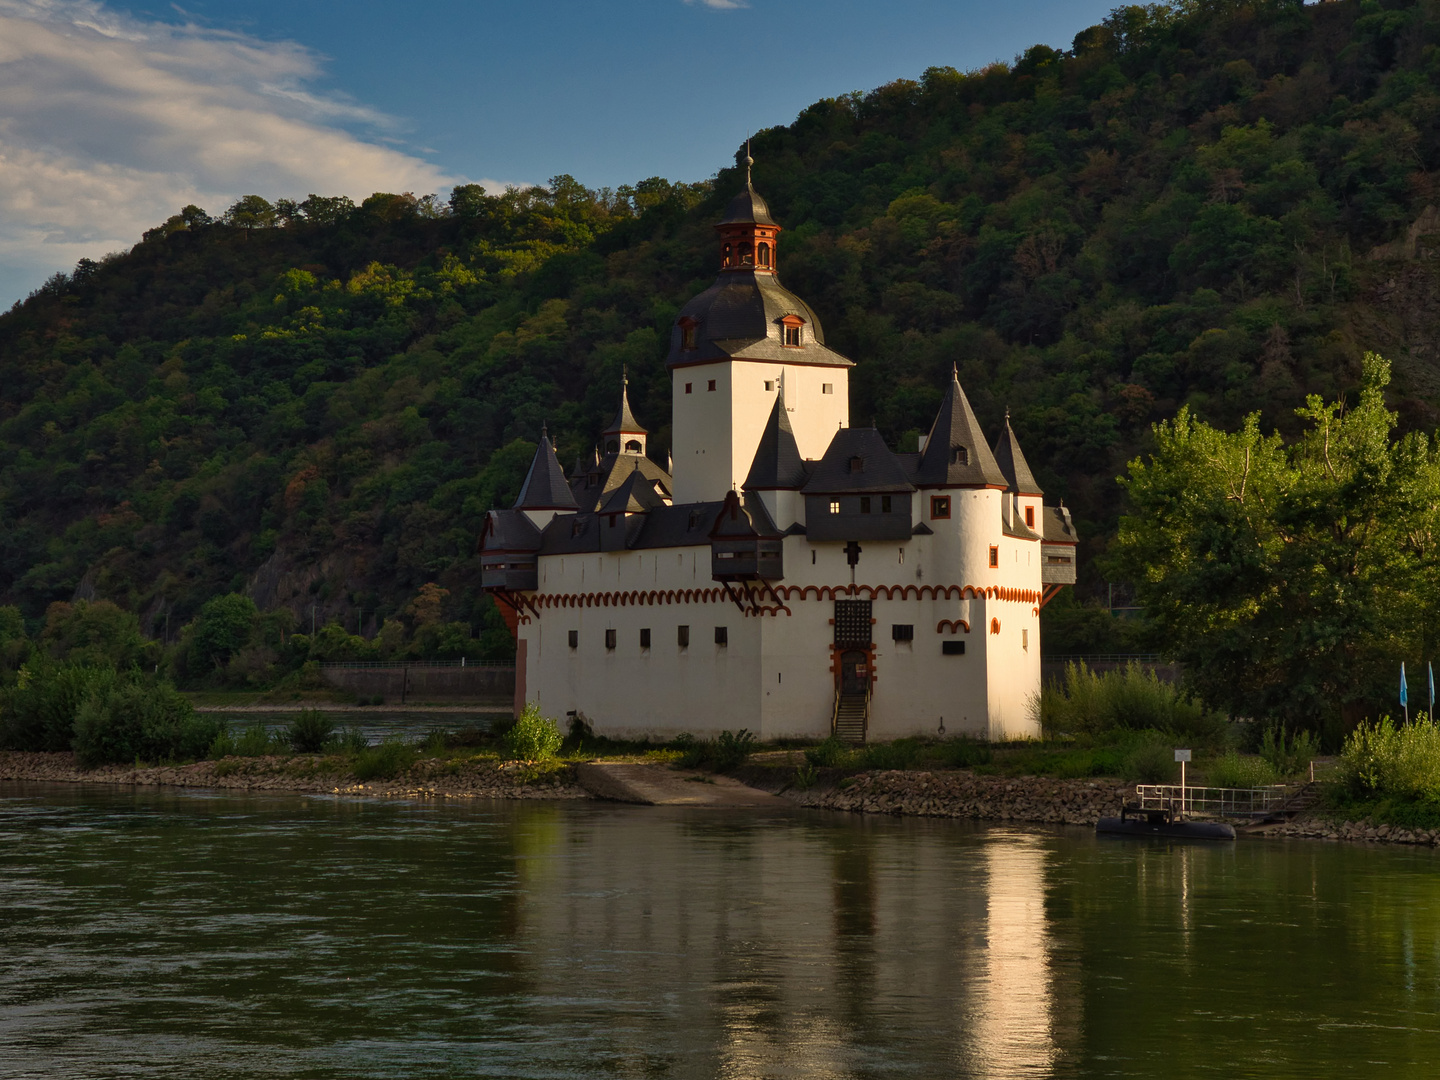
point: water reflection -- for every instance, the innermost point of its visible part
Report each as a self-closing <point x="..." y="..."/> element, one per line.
<point x="163" y="934"/>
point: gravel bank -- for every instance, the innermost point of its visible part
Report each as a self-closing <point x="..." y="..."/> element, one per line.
<point x="1313" y="828"/>
<point x="311" y="775"/>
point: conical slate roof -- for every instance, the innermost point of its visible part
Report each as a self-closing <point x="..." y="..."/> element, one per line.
<point x="956" y="454"/>
<point x="545" y="487"/>
<point x="777" y="464"/>
<point x="625" y="422"/>
<point x="1013" y="464"/>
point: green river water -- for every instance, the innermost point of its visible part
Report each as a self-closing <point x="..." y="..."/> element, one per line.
<point x="183" y="934"/>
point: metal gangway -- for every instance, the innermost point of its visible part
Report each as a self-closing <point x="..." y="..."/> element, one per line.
<point x="1256" y="803"/>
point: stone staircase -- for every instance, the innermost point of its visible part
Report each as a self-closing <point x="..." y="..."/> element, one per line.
<point x="852" y="711"/>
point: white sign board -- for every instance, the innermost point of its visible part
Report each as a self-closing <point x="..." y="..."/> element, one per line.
<point x="1182" y="755"/>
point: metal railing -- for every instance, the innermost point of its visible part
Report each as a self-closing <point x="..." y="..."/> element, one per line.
<point x="1213" y="801"/>
<point x="398" y="664"/>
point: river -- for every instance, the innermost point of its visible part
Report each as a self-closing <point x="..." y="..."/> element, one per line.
<point x="164" y="933"/>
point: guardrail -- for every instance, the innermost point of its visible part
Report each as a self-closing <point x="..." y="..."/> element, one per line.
<point x="1219" y="802"/>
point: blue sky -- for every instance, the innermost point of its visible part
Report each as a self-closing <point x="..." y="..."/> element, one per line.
<point x="113" y="116"/>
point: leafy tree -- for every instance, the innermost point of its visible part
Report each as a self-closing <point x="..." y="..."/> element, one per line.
<point x="1290" y="578"/>
<point x="221" y="629"/>
<point x="95" y="634"/>
<point x="251" y="212"/>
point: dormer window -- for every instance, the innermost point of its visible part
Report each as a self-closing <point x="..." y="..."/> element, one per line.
<point x="762" y="255"/>
<point x="688" y="326"/>
<point x="791" y="330"/>
<point x="959" y="455"/>
<point x="857" y="464"/>
<point x="694" y="519"/>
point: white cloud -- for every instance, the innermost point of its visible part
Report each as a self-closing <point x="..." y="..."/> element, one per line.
<point x="109" y="124"/>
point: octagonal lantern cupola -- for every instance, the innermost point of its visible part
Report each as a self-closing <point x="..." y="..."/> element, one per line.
<point x="624" y="435"/>
<point x="747" y="232"/>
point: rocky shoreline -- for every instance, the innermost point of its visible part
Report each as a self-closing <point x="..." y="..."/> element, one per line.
<point x="954" y="794"/>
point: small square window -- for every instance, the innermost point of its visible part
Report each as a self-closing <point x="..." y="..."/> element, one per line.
<point x="902" y="632"/>
<point x="939" y="507"/>
<point x="722" y="635"/>
<point x="574" y="639"/>
<point x="827" y="388"/>
<point x="769" y="384"/>
<point x="710" y="385"/>
<point x="1025" y="640"/>
<point x="1029" y="517"/>
<point x="994" y="555"/>
<point x="688" y="387"/>
<point x="952" y="648"/>
<point x="609" y="639"/>
<point x="645" y="638"/>
<point x="792" y="336"/>
<point x="835" y="506"/>
<point x="886" y="505"/>
<point x="864" y="504"/>
<point x="682" y="636"/>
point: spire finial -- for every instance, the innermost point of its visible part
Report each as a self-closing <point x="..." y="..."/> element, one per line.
<point x="1007" y="415"/>
<point x="544" y="430"/>
<point x="749" y="161"/>
<point x="625" y="380"/>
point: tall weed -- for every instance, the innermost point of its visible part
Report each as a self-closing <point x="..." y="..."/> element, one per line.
<point x="1093" y="705"/>
<point x="1288" y="755"/>
<point x="1232" y="770"/>
<point x="386" y="761"/>
<point x="1382" y="760"/>
<point x="310" y="731"/>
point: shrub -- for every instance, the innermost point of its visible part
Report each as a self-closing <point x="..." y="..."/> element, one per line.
<point x="1234" y="770"/>
<point x="1404" y="762"/>
<point x="351" y="739"/>
<point x="900" y="754"/>
<point x="1150" y="759"/>
<point x="309" y="732"/>
<point x="729" y="751"/>
<point x="386" y="761"/>
<point x="829" y="754"/>
<point x="805" y="777"/>
<point x="1288" y="755"/>
<point x="962" y="752"/>
<point x="38" y="712"/>
<point x="533" y="737"/>
<point x="133" y="720"/>
<point x="1093" y="704"/>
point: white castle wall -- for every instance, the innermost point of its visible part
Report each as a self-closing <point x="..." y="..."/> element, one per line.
<point x="775" y="676"/>
<point x="716" y="432"/>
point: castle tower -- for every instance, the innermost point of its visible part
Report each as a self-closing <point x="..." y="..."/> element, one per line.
<point x="545" y="492"/>
<point x="732" y="347"/>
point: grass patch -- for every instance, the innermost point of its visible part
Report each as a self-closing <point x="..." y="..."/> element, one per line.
<point x="386" y="761"/>
<point x="721" y="754"/>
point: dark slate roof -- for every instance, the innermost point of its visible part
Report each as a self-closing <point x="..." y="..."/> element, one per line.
<point x="545" y="487"/>
<point x="624" y="422"/>
<point x="777" y="463"/>
<point x="1057" y="525"/>
<point x="748" y="208"/>
<point x="743" y="517"/>
<point x="568" y="534"/>
<point x="1013" y="464"/>
<point x="740" y="315"/>
<point x="956" y="426"/>
<point x="686" y="525"/>
<point x="509" y="530"/>
<point x="881" y="471"/>
<point x="635" y="496"/>
<point x="1020" y="531"/>
<point x="610" y="472"/>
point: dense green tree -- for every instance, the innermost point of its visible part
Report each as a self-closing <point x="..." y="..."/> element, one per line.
<point x="222" y="628"/>
<point x="1290" y="577"/>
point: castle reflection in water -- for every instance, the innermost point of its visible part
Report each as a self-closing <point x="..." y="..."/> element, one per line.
<point x="795" y="951"/>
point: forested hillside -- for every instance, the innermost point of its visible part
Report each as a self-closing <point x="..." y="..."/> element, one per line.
<point x="1215" y="203"/>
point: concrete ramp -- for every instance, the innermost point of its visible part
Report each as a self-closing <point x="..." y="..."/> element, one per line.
<point x="660" y="785"/>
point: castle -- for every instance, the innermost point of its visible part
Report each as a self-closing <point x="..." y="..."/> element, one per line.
<point x="791" y="574"/>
